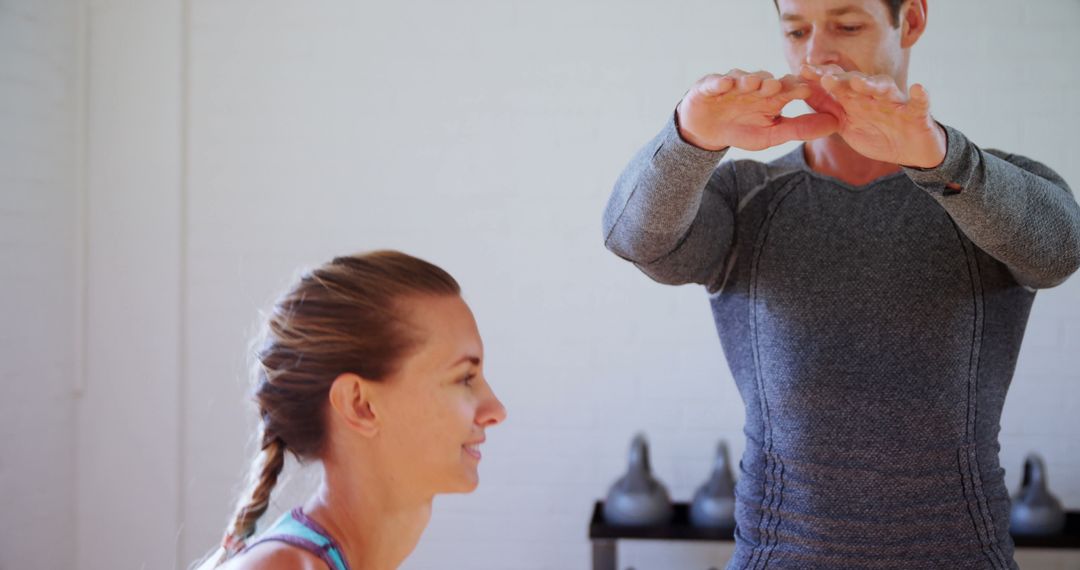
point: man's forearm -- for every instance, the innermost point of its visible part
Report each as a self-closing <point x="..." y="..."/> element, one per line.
<point x="1017" y="210"/>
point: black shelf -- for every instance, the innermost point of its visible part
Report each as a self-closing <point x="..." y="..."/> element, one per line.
<point x="1069" y="538"/>
<point x="681" y="529"/>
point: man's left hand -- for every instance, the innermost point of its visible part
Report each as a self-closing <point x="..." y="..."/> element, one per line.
<point x="878" y="120"/>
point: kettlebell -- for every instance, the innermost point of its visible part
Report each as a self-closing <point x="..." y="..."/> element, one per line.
<point x="714" y="502"/>
<point x="1035" y="512"/>
<point x="638" y="498"/>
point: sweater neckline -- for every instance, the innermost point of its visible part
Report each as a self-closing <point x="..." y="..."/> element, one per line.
<point x="798" y="157"/>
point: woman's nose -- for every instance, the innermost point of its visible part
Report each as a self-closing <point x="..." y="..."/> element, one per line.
<point x="491" y="411"/>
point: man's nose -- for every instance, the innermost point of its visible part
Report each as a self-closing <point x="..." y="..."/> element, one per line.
<point x="820" y="49"/>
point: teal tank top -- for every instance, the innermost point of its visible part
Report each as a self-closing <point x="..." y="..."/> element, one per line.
<point x="299" y="530"/>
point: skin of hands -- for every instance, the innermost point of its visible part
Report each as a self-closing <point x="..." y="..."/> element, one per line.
<point x="875" y="117"/>
<point x="742" y="110"/>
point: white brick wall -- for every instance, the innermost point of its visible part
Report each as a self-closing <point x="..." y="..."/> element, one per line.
<point x="231" y="142"/>
<point x="38" y="304"/>
<point x="129" y="446"/>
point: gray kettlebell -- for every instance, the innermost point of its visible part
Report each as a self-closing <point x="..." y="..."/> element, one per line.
<point x="1035" y="512"/>
<point x="638" y="498"/>
<point x="714" y="502"/>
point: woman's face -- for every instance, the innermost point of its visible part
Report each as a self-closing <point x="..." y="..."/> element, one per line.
<point x="435" y="408"/>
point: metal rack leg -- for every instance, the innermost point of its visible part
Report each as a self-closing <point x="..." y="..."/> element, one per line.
<point x="603" y="554"/>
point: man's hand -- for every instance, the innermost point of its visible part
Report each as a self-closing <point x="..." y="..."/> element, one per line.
<point x="878" y="120"/>
<point x="742" y="110"/>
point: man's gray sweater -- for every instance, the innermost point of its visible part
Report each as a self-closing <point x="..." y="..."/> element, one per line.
<point x="872" y="331"/>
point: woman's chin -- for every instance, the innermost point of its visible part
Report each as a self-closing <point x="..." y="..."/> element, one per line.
<point x="466" y="483"/>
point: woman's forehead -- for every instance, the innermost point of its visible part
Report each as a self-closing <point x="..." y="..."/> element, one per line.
<point x="448" y="332"/>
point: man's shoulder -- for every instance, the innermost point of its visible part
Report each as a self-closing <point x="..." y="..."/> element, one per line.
<point x="1005" y="155"/>
<point x="1026" y="163"/>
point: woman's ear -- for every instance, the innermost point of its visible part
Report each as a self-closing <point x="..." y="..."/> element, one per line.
<point x="912" y="22"/>
<point x="350" y="401"/>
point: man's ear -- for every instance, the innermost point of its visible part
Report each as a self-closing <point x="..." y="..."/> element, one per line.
<point x="350" y="402"/>
<point x="912" y="22"/>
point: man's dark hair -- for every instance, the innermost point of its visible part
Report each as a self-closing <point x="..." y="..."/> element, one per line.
<point x="893" y="5"/>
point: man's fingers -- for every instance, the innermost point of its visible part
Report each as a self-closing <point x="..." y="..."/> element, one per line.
<point x="919" y="96"/>
<point x="793" y="88"/>
<point x="918" y="99"/>
<point x="716" y="85"/>
<point x="864" y="86"/>
<point x="770" y="87"/>
<point x="791" y="81"/>
<point x="737" y="79"/>
<point x="740" y="73"/>
<point x="894" y="94"/>
<point x="811" y="72"/>
<point x="749" y="83"/>
<point x="833" y="84"/>
<point x="799" y="91"/>
<point x="841" y="85"/>
<point x="816" y="72"/>
<point x="888" y="89"/>
<point x="880" y="87"/>
<point x="803" y="128"/>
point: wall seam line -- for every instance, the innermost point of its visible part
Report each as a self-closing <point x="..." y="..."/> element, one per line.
<point x="82" y="258"/>
<point x="182" y="289"/>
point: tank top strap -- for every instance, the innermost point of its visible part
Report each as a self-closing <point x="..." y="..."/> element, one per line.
<point x="299" y="530"/>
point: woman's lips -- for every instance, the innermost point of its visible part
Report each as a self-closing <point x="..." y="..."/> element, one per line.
<point x="473" y="449"/>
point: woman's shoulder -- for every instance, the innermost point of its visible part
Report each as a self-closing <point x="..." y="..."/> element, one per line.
<point x="275" y="555"/>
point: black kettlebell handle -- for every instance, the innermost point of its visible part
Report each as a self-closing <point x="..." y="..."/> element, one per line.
<point x="1034" y="475"/>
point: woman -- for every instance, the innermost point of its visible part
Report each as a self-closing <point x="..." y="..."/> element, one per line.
<point x="372" y="365"/>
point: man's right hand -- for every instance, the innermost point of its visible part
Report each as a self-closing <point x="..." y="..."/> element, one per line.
<point x="742" y="110"/>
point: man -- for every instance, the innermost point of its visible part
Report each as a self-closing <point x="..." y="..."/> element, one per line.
<point x="870" y="290"/>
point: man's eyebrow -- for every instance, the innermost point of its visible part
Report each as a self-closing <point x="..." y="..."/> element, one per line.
<point x="844" y="10"/>
<point x="788" y="17"/>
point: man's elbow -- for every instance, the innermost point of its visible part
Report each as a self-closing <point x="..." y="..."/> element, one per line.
<point x="613" y="241"/>
<point x="616" y="246"/>
<point x="630" y="243"/>
<point x="1071" y="260"/>
<point x="1064" y="263"/>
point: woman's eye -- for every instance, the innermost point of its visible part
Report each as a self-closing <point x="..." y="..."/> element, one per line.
<point x="796" y="34"/>
<point x="467" y="380"/>
<point x="850" y="29"/>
